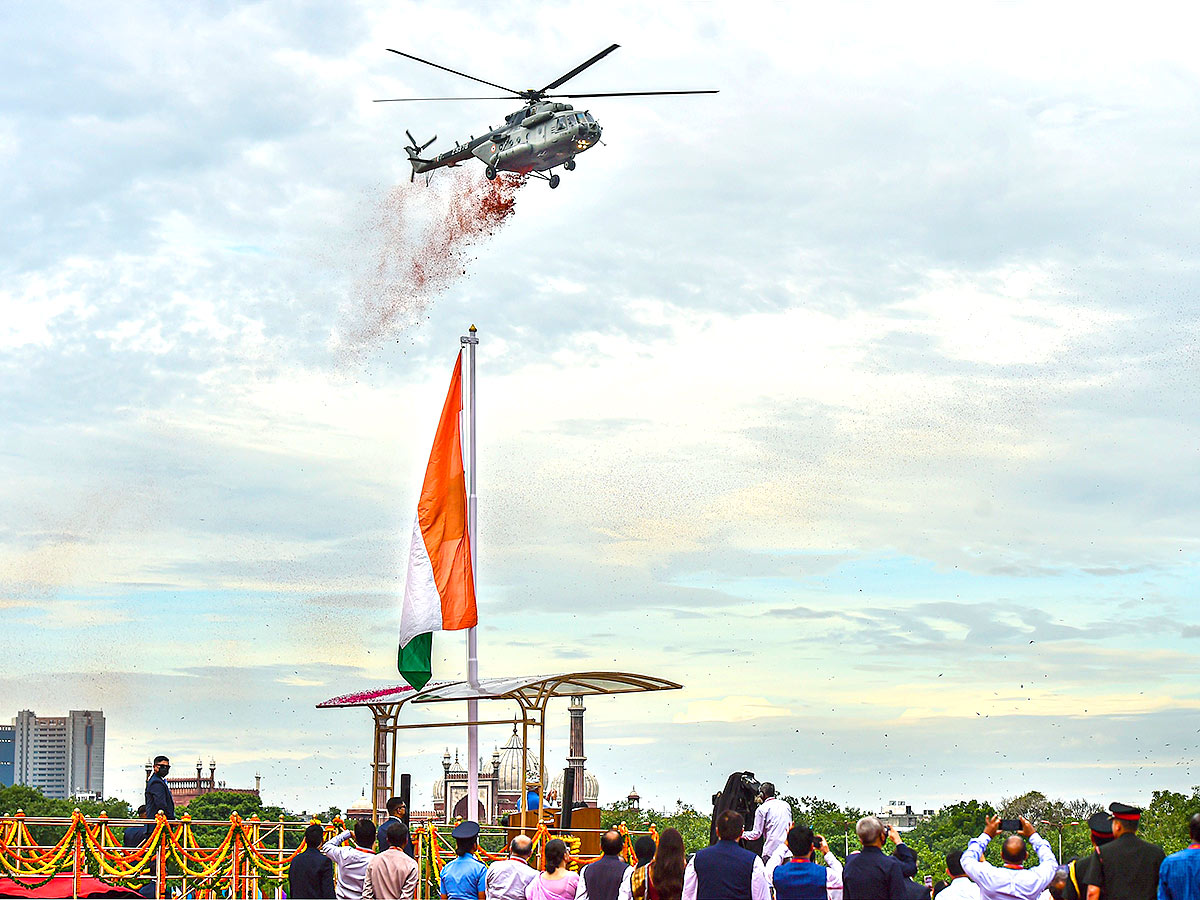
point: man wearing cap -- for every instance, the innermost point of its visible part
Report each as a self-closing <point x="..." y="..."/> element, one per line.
<point x="1179" y="875"/>
<point x="1012" y="881"/>
<point x="1128" y="867"/>
<point x="1086" y="870"/>
<point x="771" y="822"/>
<point x="465" y="877"/>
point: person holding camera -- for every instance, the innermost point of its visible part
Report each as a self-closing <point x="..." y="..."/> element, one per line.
<point x="1012" y="881"/>
<point x="873" y="874"/>
<point x="794" y="875"/>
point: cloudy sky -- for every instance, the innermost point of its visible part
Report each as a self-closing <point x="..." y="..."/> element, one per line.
<point x="860" y="398"/>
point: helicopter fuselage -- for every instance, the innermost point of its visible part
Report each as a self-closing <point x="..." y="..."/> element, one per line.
<point x="535" y="138"/>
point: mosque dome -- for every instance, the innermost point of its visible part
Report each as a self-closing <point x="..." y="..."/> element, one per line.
<point x="509" y="767"/>
<point x="591" y="787"/>
<point x="360" y="808"/>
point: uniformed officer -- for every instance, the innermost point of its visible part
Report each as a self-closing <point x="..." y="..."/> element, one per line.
<point x="1086" y="870"/>
<point x="1128" y="866"/>
<point x="465" y="877"/>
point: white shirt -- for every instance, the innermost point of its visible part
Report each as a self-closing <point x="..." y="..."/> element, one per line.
<point x="351" y="865"/>
<point x="623" y="891"/>
<point x="508" y="878"/>
<point x="960" y="888"/>
<point x="758" y="881"/>
<point x="1009" y="884"/>
<point x="771" y="823"/>
<point x="833" y="871"/>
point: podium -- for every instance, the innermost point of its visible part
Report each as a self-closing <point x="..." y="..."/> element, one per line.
<point x="585" y="825"/>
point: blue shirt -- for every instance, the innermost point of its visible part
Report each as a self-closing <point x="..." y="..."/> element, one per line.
<point x="1179" y="875"/>
<point x="464" y="878"/>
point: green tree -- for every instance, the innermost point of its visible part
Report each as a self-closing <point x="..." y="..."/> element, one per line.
<point x="1165" y="820"/>
<point x="833" y="822"/>
<point x="691" y="824"/>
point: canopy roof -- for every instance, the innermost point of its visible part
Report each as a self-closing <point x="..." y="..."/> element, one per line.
<point x="528" y="690"/>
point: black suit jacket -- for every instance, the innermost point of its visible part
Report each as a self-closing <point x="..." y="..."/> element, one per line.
<point x="310" y="876"/>
<point x="158" y="798"/>
<point x="873" y="875"/>
<point x="382" y="833"/>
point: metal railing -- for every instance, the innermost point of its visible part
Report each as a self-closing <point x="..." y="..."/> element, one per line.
<point x="241" y="859"/>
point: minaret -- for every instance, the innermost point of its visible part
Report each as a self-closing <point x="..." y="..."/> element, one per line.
<point x="575" y="757"/>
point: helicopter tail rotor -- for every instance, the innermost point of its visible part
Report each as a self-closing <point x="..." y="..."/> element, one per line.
<point x="414" y="150"/>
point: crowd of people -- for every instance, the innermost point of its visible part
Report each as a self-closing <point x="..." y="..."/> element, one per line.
<point x="369" y="863"/>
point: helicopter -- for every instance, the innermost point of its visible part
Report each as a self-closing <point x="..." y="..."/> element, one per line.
<point x="534" y="140"/>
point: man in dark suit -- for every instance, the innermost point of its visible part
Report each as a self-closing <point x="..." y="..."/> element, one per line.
<point x="158" y="794"/>
<point x="725" y="871"/>
<point x="135" y="834"/>
<point x="310" y="875"/>
<point x="872" y="874"/>
<point x="396" y="813"/>
<point x="1128" y="866"/>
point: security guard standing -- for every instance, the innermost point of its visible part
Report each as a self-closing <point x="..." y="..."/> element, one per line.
<point x="1086" y="870"/>
<point x="1128" y="866"/>
<point x="465" y="877"/>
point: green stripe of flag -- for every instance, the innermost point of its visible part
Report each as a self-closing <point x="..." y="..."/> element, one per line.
<point x="414" y="660"/>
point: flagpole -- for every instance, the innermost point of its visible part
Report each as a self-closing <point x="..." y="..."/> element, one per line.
<point x="470" y="341"/>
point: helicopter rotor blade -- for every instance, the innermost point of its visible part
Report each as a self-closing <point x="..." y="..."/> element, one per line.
<point x="453" y="71"/>
<point x="633" y="94"/>
<point x="579" y="68"/>
<point x="412" y="99"/>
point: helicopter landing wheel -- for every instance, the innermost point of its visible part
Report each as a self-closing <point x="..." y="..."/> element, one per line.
<point x="490" y="172"/>
<point x="554" y="179"/>
<point x="569" y="165"/>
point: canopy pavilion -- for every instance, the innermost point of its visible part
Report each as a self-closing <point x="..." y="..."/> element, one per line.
<point x="531" y="693"/>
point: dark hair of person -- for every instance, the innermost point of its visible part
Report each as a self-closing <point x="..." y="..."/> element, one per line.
<point x="1129" y="826"/>
<point x="767" y="789"/>
<point x="730" y="825"/>
<point x="1194" y="827"/>
<point x="141" y="813"/>
<point x="800" y="840"/>
<point x="611" y="842"/>
<point x="556" y="852"/>
<point x="670" y="862"/>
<point x="463" y="846"/>
<point x="393" y="804"/>
<point x="314" y="836"/>
<point x="397" y="833"/>
<point x="643" y="849"/>
<point x="161" y="759"/>
<point x="954" y="863"/>
<point x="1014" y="852"/>
<point x="364" y="832"/>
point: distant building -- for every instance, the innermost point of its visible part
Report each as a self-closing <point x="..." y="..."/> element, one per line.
<point x="902" y="816"/>
<point x="184" y="789"/>
<point x="500" y="787"/>
<point x="61" y="756"/>
<point x="8" y="749"/>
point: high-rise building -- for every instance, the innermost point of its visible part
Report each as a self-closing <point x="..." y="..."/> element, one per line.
<point x="7" y="750"/>
<point x="60" y="755"/>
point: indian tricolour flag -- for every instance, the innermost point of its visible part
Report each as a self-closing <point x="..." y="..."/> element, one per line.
<point x="439" y="594"/>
